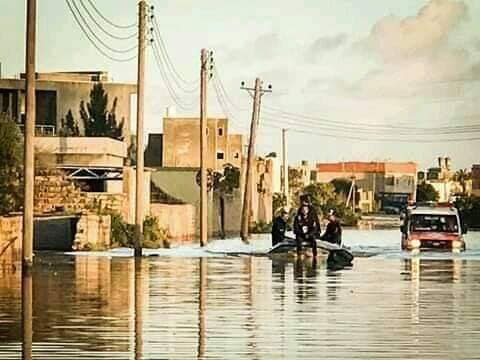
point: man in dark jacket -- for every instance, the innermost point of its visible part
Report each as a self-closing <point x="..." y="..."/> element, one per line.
<point x="333" y="232"/>
<point x="306" y="228"/>
<point x="279" y="227"/>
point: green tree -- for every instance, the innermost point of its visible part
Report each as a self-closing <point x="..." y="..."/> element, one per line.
<point x="11" y="155"/>
<point x="97" y="120"/>
<point x="69" y="126"/>
<point x="279" y="201"/>
<point x="342" y="186"/>
<point x="462" y="176"/>
<point x="426" y="192"/>
<point x="227" y="182"/>
<point x="295" y="182"/>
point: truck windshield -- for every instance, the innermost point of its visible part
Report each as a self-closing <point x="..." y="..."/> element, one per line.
<point x="438" y="223"/>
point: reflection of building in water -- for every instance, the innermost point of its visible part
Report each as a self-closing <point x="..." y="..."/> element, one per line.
<point x="96" y="292"/>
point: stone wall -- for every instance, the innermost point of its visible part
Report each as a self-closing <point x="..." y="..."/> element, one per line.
<point x="178" y="220"/>
<point x="93" y="233"/>
<point x="55" y="193"/>
<point x="10" y="241"/>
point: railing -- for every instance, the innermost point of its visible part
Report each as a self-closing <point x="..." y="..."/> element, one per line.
<point x="41" y="130"/>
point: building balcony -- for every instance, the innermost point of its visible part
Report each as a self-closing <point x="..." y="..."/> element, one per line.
<point x="80" y="151"/>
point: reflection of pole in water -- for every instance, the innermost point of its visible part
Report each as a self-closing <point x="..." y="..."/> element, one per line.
<point x="251" y="324"/>
<point x="202" y="302"/>
<point x="141" y="278"/>
<point x="27" y="311"/>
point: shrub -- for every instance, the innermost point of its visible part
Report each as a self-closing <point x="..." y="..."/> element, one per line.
<point x="123" y="234"/>
<point x="11" y="156"/>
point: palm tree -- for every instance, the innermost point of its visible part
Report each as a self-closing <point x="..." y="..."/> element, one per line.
<point x="462" y="176"/>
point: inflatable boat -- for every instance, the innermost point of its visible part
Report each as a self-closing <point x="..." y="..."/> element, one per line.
<point x="337" y="255"/>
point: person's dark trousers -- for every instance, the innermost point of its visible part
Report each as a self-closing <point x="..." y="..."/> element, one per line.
<point x="311" y="240"/>
<point x="313" y="243"/>
<point x="299" y="241"/>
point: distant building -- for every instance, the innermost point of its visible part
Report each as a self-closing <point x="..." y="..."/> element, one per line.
<point x="154" y="151"/>
<point x="57" y="93"/>
<point x="305" y="171"/>
<point x="392" y="183"/>
<point x="476" y="180"/>
<point x="442" y="178"/>
<point x="181" y="143"/>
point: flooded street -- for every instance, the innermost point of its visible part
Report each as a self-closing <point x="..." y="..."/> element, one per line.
<point x="181" y="305"/>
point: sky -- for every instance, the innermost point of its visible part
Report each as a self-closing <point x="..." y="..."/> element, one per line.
<point x="379" y="63"/>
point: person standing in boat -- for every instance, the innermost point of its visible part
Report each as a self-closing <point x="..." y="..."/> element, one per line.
<point x="306" y="228"/>
<point x="333" y="231"/>
<point x="279" y="227"/>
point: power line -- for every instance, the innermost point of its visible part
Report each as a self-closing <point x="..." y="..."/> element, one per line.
<point x="178" y="101"/>
<point x="224" y="107"/>
<point x="373" y="130"/>
<point x="224" y="91"/>
<point x="369" y="139"/>
<point x="105" y="31"/>
<point x="92" y="32"/>
<point x="179" y="80"/>
<point x="133" y="25"/>
<point x="359" y="125"/>
<point x="99" y="49"/>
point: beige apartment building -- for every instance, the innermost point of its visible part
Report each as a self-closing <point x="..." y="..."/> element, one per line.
<point x="57" y="93"/>
<point x="181" y="143"/>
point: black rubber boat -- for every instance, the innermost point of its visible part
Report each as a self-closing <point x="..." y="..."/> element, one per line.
<point x="336" y="255"/>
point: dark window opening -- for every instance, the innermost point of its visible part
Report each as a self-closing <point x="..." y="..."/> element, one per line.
<point x="237" y="155"/>
<point x="220" y="156"/>
<point x="92" y="185"/>
<point x="220" y="131"/>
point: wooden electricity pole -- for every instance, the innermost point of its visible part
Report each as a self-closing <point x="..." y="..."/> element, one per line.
<point x="285" y="187"/>
<point x="203" y="148"/>
<point x="258" y="91"/>
<point x="140" y="182"/>
<point x="29" y="156"/>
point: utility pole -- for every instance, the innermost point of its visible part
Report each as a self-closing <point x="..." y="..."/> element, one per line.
<point x="140" y="182"/>
<point x="353" y="195"/>
<point x="29" y="156"/>
<point x="258" y="91"/>
<point x="285" y="187"/>
<point x="203" y="148"/>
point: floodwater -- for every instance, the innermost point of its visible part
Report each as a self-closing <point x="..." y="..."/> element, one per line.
<point x="190" y="303"/>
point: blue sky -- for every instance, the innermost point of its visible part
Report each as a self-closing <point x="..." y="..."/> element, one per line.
<point x="371" y="61"/>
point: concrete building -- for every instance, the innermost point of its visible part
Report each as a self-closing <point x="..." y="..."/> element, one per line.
<point x="57" y="93"/>
<point x="442" y="178"/>
<point x="181" y="143"/>
<point x="476" y="180"/>
<point x="392" y="183"/>
<point x="96" y="166"/>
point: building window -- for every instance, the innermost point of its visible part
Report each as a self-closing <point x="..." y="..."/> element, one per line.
<point x="390" y="181"/>
<point x="220" y="156"/>
<point x="220" y="131"/>
<point x="237" y="155"/>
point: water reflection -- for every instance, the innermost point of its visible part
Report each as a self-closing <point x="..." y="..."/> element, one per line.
<point x="202" y="303"/>
<point x="27" y="314"/>
<point x="244" y="307"/>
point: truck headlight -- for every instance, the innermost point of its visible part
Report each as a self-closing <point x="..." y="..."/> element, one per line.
<point x="457" y="244"/>
<point x="415" y="244"/>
